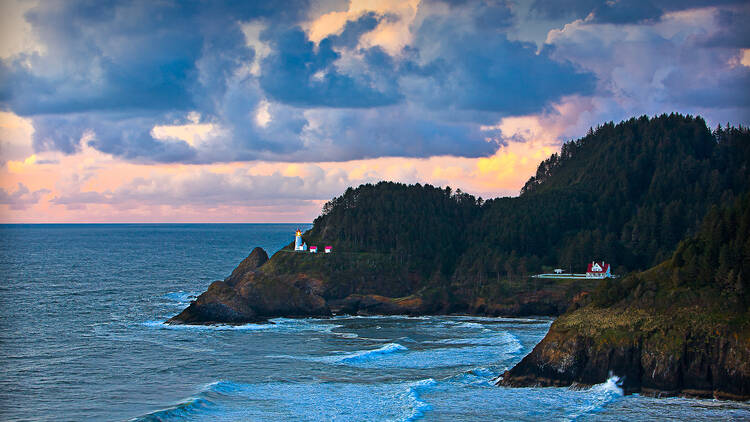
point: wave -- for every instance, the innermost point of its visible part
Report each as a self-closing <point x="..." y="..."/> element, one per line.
<point x="468" y="325"/>
<point x="177" y="412"/>
<point x="180" y="297"/>
<point x="282" y="325"/>
<point x="509" y="341"/>
<point x="488" y="319"/>
<point x="395" y="317"/>
<point x="368" y="355"/>
<point x="218" y="327"/>
<point x="418" y="405"/>
<point x="475" y="377"/>
<point x="227" y="400"/>
<point x="395" y="355"/>
<point x="203" y="403"/>
<point x="598" y="396"/>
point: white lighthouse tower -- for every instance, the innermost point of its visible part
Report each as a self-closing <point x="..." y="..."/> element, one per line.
<point x="299" y="245"/>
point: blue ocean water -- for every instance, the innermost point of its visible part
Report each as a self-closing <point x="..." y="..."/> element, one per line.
<point x="82" y="338"/>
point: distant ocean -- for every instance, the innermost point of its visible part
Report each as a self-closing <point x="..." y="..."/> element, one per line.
<point x="82" y="338"/>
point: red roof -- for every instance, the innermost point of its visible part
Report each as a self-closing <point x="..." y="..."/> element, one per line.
<point x="604" y="269"/>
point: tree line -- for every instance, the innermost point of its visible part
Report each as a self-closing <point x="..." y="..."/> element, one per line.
<point x="627" y="193"/>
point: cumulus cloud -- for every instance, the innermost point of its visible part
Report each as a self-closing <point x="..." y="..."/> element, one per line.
<point x="661" y="67"/>
<point x="414" y="80"/>
<point x="302" y="74"/>
<point x="143" y="111"/>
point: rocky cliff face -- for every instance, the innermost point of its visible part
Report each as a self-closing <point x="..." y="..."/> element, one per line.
<point x="249" y="295"/>
<point x="296" y="284"/>
<point x="682" y="327"/>
<point x="648" y="355"/>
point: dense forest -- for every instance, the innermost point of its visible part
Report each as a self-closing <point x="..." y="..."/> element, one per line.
<point x="626" y="193"/>
<point x="645" y="193"/>
<point x="681" y="327"/>
<point x="710" y="268"/>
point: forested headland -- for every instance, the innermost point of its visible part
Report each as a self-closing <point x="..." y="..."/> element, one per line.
<point x="625" y="193"/>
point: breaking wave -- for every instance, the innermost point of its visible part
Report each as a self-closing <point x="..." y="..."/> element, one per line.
<point x="598" y="396"/>
<point x="280" y="325"/>
<point x="180" y="298"/>
<point x="368" y="355"/>
<point x="227" y="400"/>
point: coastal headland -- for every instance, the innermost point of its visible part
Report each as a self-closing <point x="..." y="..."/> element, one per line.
<point x="660" y="198"/>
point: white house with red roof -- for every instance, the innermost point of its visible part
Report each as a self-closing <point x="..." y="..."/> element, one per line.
<point x="595" y="270"/>
<point x="598" y="270"/>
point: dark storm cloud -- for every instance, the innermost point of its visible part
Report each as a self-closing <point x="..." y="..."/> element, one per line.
<point x="111" y="71"/>
<point x="486" y="71"/>
<point x="734" y="31"/>
<point x="729" y="89"/>
<point x="295" y="73"/>
<point x="120" y="135"/>
<point x="618" y="12"/>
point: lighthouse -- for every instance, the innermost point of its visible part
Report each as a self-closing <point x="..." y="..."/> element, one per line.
<point x="299" y="245"/>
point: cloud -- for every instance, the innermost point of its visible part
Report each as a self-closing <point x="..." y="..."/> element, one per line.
<point x="22" y="198"/>
<point x="298" y="81"/>
<point x="393" y="79"/>
<point x="302" y="74"/>
<point x="661" y="67"/>
<point x="732" y="29"/>
<point x="15" y="133"/>
<point x="619" y="12"/>
<point x="486" y="71"/>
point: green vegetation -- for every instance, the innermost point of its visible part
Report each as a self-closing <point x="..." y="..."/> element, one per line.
<point x="625" y="193"/>
<point x="681" y="327"/>
<point x="702" y="291"/>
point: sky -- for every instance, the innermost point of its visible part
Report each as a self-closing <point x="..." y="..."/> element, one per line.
<point x="227" y="111"/>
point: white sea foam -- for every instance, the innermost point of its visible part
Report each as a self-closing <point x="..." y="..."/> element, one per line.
<point x="180" y="298"/>
<point x="509" y="342"/>
<point x="217" y="327"/>
<point x="288" y="325"/>
<point x="368" y="355"/>
<point x="418" y="405"/>
<point x="228" y="400"/>
<point x="475" y="376"/>
<point x="598" y="396"/>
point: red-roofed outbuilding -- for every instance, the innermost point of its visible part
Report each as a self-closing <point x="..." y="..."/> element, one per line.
<point x="598" y="270"/>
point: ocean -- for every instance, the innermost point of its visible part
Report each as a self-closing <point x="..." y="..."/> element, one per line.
<point x="82" y="338"/>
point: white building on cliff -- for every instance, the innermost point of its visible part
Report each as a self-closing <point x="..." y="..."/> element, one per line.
<point x="299" y="244"/>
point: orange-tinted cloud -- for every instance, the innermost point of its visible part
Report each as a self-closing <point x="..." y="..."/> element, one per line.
<point x="91" y="186"/>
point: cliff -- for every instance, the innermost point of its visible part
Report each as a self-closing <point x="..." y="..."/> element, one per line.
<point x="682" y="327"/>
<point x="248" y="295"/>
<point x="627" y="193"/>
<point x="304" y="284"/>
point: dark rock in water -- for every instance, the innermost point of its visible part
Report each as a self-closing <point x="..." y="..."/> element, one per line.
<point x="249" y="295"/>
<point x="357" y="304"/>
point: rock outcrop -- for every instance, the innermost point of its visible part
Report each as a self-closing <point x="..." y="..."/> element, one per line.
<point x="357" y="304"/>
<point x="249" y="295"/>
<point x="680" y="328"/>
<point x="652" y="354"/>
